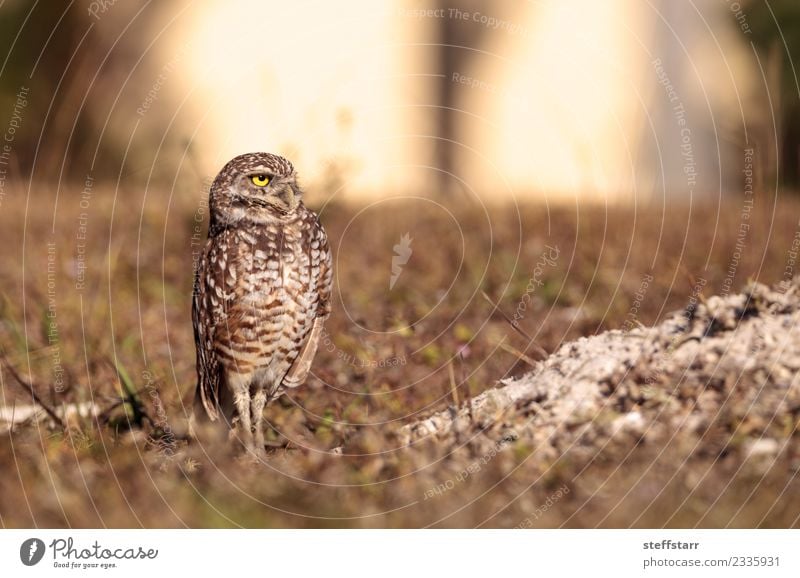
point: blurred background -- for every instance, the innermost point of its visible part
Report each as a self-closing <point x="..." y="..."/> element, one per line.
<point x="541" y="99"/>
<point x="496" y="180"/>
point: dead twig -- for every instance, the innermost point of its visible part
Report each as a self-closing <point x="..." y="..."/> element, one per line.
<point x="29" y="389"/>
<point x="539" y="350"/>
<point x="514" y="351"/>
<point x="453" y="385"/>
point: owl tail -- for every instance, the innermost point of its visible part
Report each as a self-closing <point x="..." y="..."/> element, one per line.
<point x="200" y="422"/>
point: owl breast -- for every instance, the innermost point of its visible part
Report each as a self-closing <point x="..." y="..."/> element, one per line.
<point x="262" y="288"/>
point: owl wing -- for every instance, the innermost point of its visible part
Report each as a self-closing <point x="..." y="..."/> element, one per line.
<point x="208" y="376"/>
<point x="301" y="365"/>
<point x="322" y="276"/>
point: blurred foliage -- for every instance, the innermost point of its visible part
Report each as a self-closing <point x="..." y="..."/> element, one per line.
<point x="75" y="66"/>
<point x="774" y="27"/>
<point x="776" y="23"/>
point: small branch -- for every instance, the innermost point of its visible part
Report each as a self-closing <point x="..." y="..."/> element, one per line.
<point x="453" y="386"/>
<point x="29" y="389"/>
<point x="512" y="350"/>
<point x="516" y="326"/>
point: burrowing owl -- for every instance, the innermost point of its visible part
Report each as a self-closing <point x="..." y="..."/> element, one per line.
<point x="262" y="292"/>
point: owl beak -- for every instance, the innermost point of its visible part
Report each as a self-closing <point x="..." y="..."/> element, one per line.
<point x="287" y="196"/>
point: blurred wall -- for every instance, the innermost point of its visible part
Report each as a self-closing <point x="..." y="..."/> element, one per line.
<point x="575" y="98"/>
<point x="569" y="98"/>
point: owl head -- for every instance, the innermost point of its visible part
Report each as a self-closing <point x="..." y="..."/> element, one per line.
<point x="255" y="186"/>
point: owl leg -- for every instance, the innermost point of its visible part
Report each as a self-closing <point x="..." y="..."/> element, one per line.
<point x="257" y="408"/>
<point x="241" y="398"/>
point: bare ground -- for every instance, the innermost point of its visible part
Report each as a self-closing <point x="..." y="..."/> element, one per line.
<point x="626" y="438"/>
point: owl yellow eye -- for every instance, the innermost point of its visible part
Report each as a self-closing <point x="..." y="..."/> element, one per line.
<point x="260" y="180"/>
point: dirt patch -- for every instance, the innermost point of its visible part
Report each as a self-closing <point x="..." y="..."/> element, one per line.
<point x="718" y="378"/>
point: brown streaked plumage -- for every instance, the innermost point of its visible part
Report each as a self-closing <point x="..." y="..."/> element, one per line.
<point x="262" y="292"/>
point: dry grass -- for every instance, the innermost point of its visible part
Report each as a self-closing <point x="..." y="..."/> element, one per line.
<point x="392" y="356"/>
